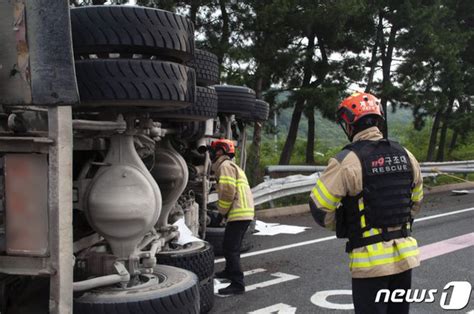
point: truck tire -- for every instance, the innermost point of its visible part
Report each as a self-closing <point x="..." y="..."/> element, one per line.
<point x="206" y="65"/>
<point x="193" y="130"/>
<point x="135" y="83"/>
<point x="206" y="295"/>
<point x="215" y="236"/>
<point x="203" y="109"/>
<point x="175" y="292"/>
<point x="126" y="29"/>
<point x="199" y="259"/>
<point x="262" y="108"/>
<point x="236" y="100"/>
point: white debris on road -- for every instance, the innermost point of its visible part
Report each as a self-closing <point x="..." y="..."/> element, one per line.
<point x="185" y="235"/>
<point x="270" y="229"/>
<point x="461" y="192"/>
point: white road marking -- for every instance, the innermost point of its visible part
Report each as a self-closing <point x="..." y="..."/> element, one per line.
<point x="282" y="277"/>
<point x="279" y="248"/>
<point x="219" y="284"/>
<point x="289" y="246"/>
<point x="320" y="299"/>
<point x="445" y="214"/>
<point x="222" y="283"/>
<point x="280" y="308"/>
<point x="254" y="271"/>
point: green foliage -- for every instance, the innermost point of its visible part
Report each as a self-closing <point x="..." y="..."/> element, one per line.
<point x="443" y="179"/>
<point x="330" y="139"/>
<point x="465" y="151"/>
<point x="416" y="141"/>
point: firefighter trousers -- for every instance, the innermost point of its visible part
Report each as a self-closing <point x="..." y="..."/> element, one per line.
<point x="233" y="236"/>
<point x="364" y="291"/>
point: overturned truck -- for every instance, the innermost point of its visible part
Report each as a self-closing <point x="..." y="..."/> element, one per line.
<point x="106" y="113"/>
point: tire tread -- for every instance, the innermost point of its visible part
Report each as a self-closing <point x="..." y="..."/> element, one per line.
<point x="204" y="108"/>
<point x="200" y="262"/>
<point x="111" y="29"/>
<point x="102" y="80"/>
<point x="206" y="65"/>
<point x="236" y="100"/>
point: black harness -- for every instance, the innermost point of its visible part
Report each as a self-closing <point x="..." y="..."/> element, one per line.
<point x="387" y="179"/>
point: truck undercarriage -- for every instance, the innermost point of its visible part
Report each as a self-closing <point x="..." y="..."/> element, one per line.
<point x="103" y="150"/>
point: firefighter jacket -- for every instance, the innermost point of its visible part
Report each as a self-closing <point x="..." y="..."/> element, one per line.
<point x="341" y="180"/>
<point x="235" y="197"/>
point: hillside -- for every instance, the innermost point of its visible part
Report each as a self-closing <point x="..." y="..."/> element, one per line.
<point x="328" y="133"/>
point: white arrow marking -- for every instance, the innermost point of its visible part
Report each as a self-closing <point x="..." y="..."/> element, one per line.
<point x="219" y="284"/>
<point x="320" y="299"/>
<point x="280" y="308"/>
<point x="222" y="283"/>
<point x="282" y="277"/>
<point x="254" y="271"/>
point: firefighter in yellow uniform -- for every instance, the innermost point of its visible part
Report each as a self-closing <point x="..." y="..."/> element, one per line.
<point x="235" y="203"/>
<point x="369" y="193"/>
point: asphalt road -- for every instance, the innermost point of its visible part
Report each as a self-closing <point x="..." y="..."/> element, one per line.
<point x="292" y="277"/>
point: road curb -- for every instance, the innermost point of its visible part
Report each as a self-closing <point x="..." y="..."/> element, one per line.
<point x="448" y="187"/>
<point x="304" y="208"/>
<point x="283" y="211"/>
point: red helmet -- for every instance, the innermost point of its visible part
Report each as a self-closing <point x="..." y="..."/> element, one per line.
<point x="226" y="145"/>
<point x="356" y="106"/>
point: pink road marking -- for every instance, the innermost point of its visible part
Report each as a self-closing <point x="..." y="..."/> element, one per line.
<point x="446" y="246"/>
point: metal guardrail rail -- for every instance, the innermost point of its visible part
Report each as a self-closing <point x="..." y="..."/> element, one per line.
<point x="277" y="188"/>
<point x="272" y="189"/>
<point x="426" y="167"/>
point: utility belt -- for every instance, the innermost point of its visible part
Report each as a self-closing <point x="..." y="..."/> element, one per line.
<point x="355" y="243"/>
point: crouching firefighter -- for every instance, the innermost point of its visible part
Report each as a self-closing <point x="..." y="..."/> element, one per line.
<point x="369" y="193"/>
<point x="235" y="203"/>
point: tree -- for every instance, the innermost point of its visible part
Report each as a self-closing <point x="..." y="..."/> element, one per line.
<point x="266" y="23"/>
<point x="326" y="29"/>
<point x="435" y="65"/>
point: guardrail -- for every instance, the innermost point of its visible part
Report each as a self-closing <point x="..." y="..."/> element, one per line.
<point x="426" y="167"/>
<point x="272" y="189"/>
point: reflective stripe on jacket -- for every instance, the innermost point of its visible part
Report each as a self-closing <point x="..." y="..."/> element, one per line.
<point x="342" y="177"/>
<point x="235" y="197"/>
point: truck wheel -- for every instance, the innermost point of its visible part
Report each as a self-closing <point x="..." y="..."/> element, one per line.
<point x="168" y="290"/>
<point x="203" y="109"/>
<point x="123" y="29"/>
<point x="134" y="83"/>
<point x="206" y="66"/>
<point x="262" y="108"/>
<point x="206" y="294"/>
<point x="199" y="259"/>
<point x="215" y="236"/>
<point x="236" y="100"/>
